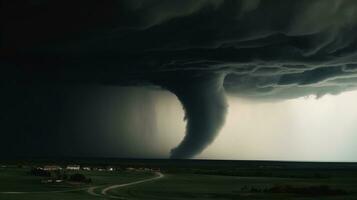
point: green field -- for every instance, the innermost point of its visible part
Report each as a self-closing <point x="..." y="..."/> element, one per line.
<point x="188" y="182"/>
<point x="16" y="183"/>
<point x="188" y="186"/>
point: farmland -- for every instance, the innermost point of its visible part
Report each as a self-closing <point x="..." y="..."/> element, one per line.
<point x="179" y="179"/>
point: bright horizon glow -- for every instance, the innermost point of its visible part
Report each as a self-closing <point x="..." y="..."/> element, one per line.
<point x="303" y="129"/>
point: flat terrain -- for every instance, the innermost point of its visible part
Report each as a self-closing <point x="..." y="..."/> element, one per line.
<point x="193" y="180"/>
<point x="16" y="183"/>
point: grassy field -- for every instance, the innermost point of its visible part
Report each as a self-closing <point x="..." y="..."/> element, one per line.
<point x="189" y="186"/>
<point x="195" y="181"/>
<point x="21" y="185"/>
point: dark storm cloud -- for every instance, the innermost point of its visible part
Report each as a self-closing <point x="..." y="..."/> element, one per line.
<point x="269" y="49"/>
<point x="205" y="106"/>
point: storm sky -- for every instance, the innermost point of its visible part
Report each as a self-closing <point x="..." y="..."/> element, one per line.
<point x="72" y="70"/>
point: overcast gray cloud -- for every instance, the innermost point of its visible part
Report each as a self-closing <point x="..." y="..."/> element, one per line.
<point x="263" y="49"/>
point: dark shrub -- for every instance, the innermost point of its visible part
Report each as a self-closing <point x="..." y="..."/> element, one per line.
<point x="77" y="178"/>
<point x="40" y="172"/>
<point x="308" y="190"/>
<point x="80" y="178"/>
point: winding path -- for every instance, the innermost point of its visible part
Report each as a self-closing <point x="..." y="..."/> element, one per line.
<point x="105" y="190"/>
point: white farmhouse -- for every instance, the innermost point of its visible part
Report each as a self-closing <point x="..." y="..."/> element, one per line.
<point x="73" y="167"/>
